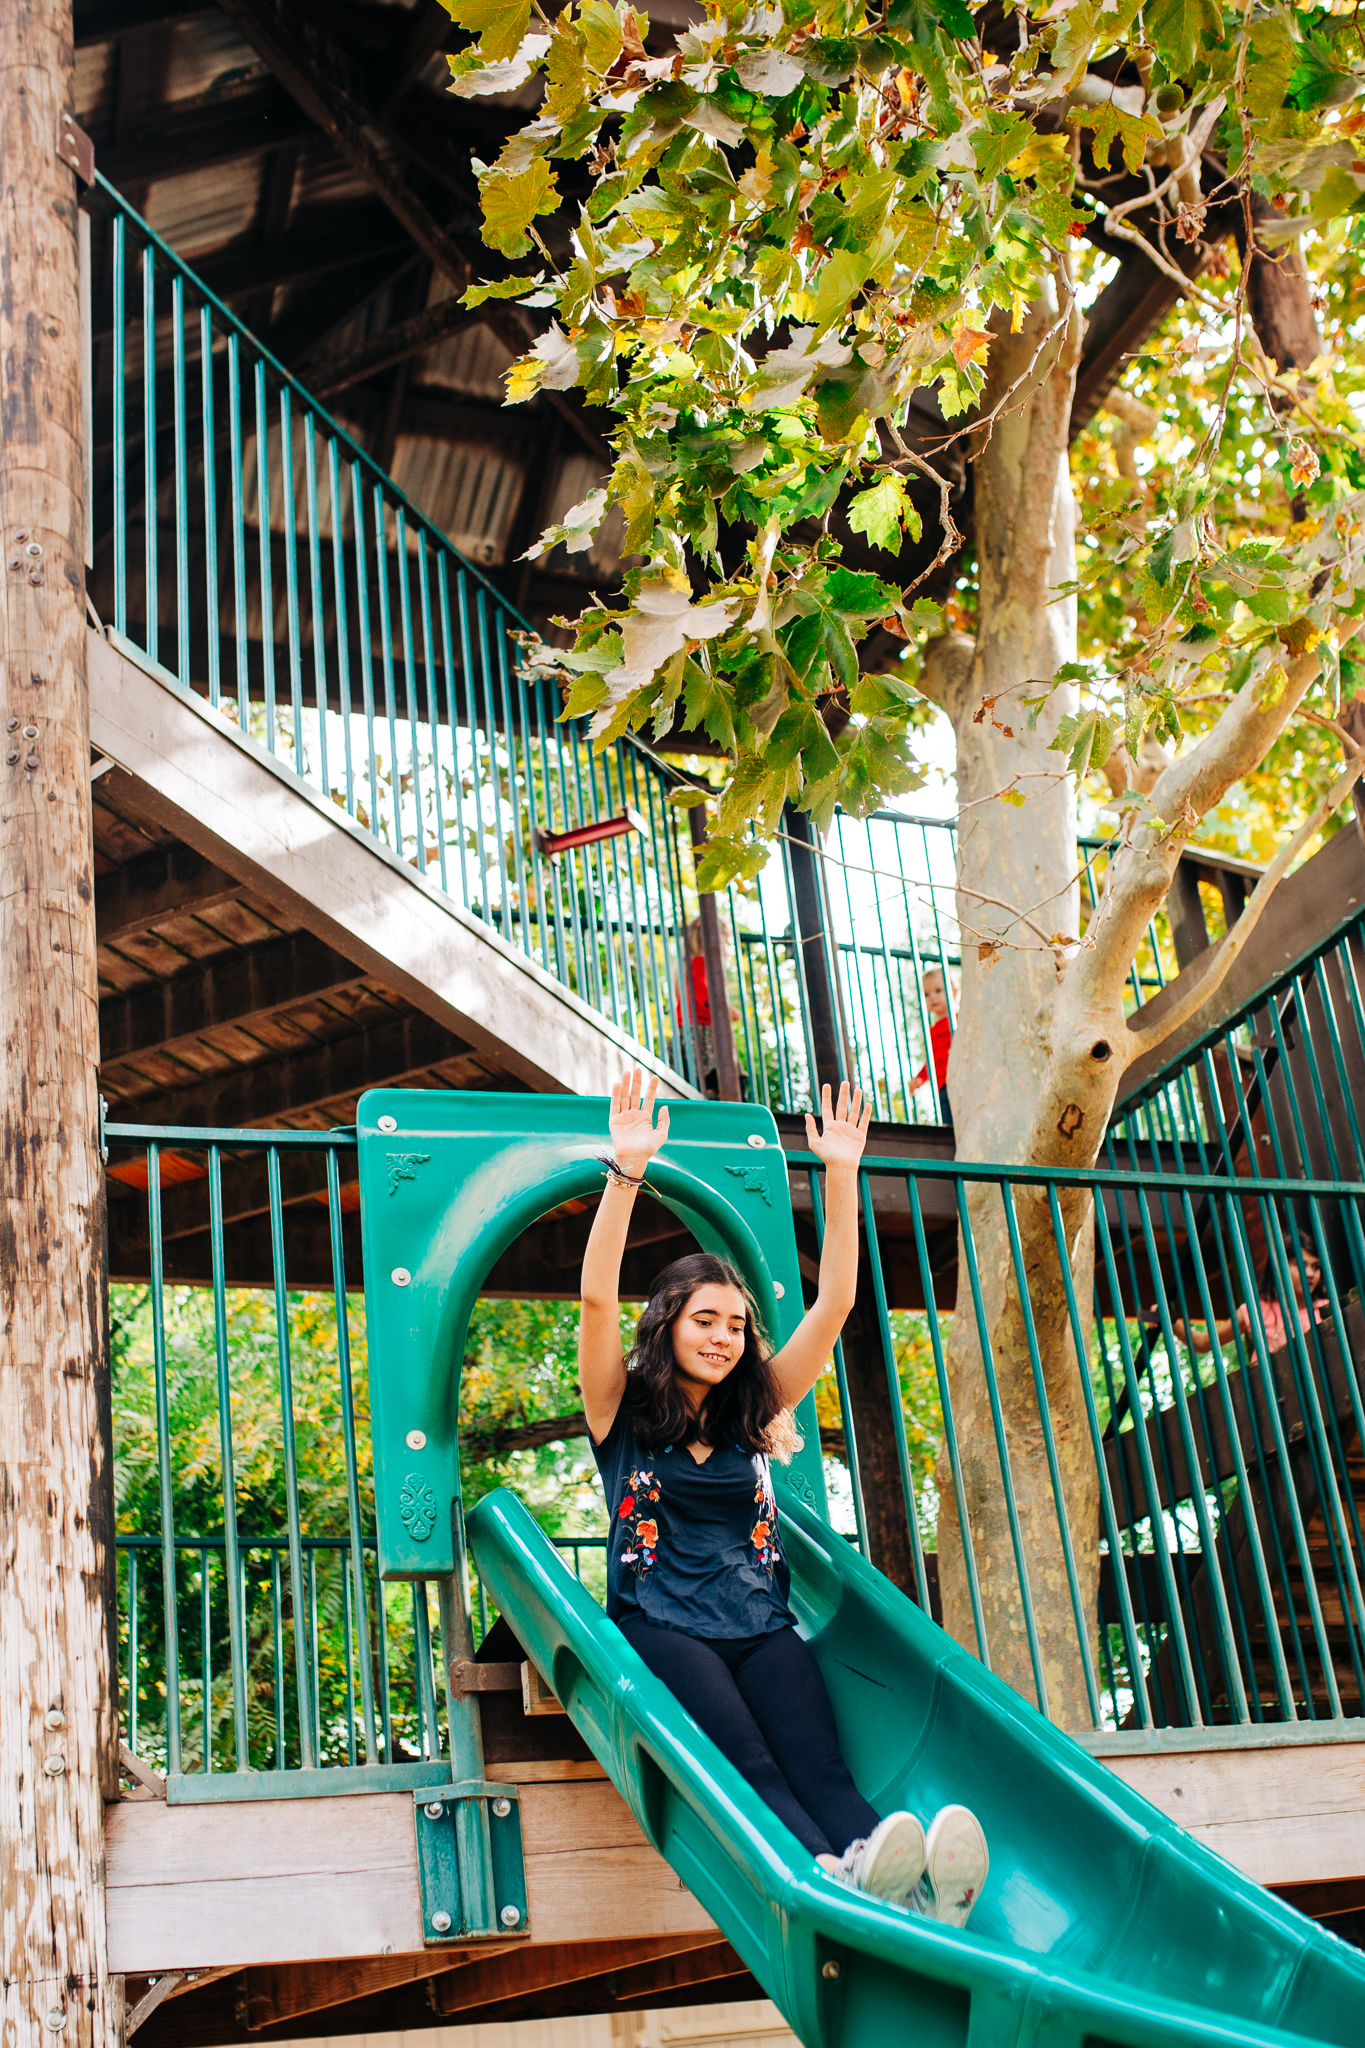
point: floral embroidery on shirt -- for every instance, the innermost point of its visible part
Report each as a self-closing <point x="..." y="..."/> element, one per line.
<point x="638" y="1527"/>
<point x="763" y="1535"/>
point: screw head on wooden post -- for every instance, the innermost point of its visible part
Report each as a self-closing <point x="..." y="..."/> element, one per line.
<point x="441" y="1922"/>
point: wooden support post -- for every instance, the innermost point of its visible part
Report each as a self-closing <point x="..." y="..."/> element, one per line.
<point x="829" y="1047"/>
<point x="717" y="980"/>
<point x="58" y="1756"/>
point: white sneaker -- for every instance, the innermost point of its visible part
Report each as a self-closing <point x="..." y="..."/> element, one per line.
<point x="888" y="1864"/>
<point x="956" y="1862"/>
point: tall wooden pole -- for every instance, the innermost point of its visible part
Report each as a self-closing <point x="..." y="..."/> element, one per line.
<point x="56" y="1709"/>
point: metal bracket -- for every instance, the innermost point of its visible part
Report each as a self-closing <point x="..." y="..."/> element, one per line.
<point x="451" y="1824"/>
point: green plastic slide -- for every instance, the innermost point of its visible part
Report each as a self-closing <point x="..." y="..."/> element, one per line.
<point x="1101" y="1922"/>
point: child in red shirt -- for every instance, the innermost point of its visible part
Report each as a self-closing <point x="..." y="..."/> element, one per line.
<point x="940" y="1040"/>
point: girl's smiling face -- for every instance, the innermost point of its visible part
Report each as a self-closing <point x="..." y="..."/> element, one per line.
<point x="708" y="1339"/>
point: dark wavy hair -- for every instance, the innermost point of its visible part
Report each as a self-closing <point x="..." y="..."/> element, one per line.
<point x="746" y="1408"/>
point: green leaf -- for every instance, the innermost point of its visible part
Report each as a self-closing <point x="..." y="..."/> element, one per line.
<point x="730" y="860"/>
<point x="501" y="24"/>
<point x="924" y="613"/>
<point x="502" y="288"/>
<point x="955" y="18"/>
<point x="510" y="204"/>
<point x="1176" y="29"/>
<point x="601" y="34"/>
<point x="999" y="142"/>
<point x="841" y="278"/>
<point x="1087" y="738"/>
<point x="880" y="511"/>
<point x="860" y="594"/>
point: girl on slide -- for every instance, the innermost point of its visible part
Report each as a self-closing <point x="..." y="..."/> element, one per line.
<point x="682" y="1431"/>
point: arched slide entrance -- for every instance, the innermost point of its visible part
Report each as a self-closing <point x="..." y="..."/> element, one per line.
<point x="447" y="1182"/>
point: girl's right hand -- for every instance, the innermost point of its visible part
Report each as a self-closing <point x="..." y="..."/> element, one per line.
<point x="634" y="1137"/>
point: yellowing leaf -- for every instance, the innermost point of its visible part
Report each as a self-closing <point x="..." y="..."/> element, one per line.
<point x="500" y="24"/>
<point x="511" y="204"/>
<point x="601" y="34"/>
<point x="1111" y="124"/>
<point x="879" y="512"/>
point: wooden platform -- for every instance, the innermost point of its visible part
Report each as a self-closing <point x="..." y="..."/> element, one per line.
<point x="290" y="1917"/>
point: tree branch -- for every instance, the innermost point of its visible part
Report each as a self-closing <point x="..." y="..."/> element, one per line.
<point x="1147" y="1037"/>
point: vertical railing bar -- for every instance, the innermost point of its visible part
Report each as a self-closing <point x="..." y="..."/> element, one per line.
<point x="513" y="806"/>
<point x="291" y="580"/>
<point x="945" y="1396"/>
<point x="1274" y="1641"/>
<point x="291" y="1475"/>
<point x="165" y="1486"/>
<point x="841" y="1373"/>
<point x="362" y="588"/>
<point x="1198" y="1495"/>
<point x="1001" y="1442"/>
<point x="336" y="494"/>
<point x="472" y="701"/>
<point x="213" y="622"/>
<point x="120" y="427"/>
<point x="182" y="509"/>
<point x="381" y="577"/>
<point x="443" y="591"/>
<point x="1050" y="1449"/>
<point x="234" y="369"/>
<point x="149" y="485"/>
<point x="874" y="1260"/>
<point x="348" y="1440"/>
<point x="1175" y="1614"/>
<point x="231" y="1555"/>
<point x="410" y="679"/>
<point x="319" y="618"/>
<point x="1127" y="1622"/>
<point x="134" y="1679"/>
<point x="494" y="771"/>
<point x="433" y="704"/>
<point x="264" y="551"/>
<point x="206" y="1655"/>
<point x="277" y="1649"/>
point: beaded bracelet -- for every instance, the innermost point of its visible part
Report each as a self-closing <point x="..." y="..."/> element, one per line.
<point x="621" y="1178"/>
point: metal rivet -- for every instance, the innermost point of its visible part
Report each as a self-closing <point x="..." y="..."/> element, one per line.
<point x="416" y="1439"/>
<point x="510" y="1916"/>
<point x="387" y="1123"/>
<point x="401" y="1277"/>
<point x="34" y="548"/>
<point x="54" y="1718"/>
<point x="441" y="1922"/>
<point x="31" y="763"/>
<point x="35" y="577"/>
<point x="779" y="1290"/>
<point x="754" y="1139"/>
<point x="502" y="1807"/>
<point x="433" y="1809"/>
<point x="54" y="1765"/>
<point x="12" y="725"/>
<point x="12" y="756"/>
<point x="55" y="2020"/>
<point x="830" y="1970"/>
<point x="30" y="732"/>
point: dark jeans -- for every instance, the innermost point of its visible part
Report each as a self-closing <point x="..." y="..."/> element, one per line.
<point x="763" y="1702"/>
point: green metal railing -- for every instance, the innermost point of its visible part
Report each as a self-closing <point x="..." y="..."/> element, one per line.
<point x="1222" y="1582"/>
<point x="249" y="551"/>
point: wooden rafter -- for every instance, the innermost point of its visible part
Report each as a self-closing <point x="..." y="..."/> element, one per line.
<point x="238" y="988"/>
<point x="325" y="374"/>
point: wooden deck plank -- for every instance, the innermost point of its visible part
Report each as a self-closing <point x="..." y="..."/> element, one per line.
<point x="304" y="1880"/>
<point x="1293" y="1815"/>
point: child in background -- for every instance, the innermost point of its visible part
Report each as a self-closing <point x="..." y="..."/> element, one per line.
<point x="1272" y="1315"/>
<point x="701" y="1005"/>
<point x="940" y="1040"/>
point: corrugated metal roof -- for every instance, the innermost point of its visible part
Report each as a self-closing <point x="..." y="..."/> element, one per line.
<point x="206" y="208"/>
<point x="472" y="494"/>
<point x="205" y="56"/>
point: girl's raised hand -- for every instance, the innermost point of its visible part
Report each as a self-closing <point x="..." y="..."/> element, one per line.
<point x="634" y="1137"/>
<point x="845" y="1133"/>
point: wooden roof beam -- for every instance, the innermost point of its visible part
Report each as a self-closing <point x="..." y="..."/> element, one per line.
<point x="241" y="988"/>
<point x="298" y="1084"/>
<point x="178" y="143"/>
<point x="147" y="892"/>
<point x="325" y="374"/>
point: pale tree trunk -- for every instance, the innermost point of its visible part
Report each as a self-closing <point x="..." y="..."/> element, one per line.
<point x="57" y="1738"/>
<point x="1043" y="1040"/>
<point x="1025" y="858"/>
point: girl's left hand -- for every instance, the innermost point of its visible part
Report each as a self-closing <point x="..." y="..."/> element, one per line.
<point x="845" y="1133"/>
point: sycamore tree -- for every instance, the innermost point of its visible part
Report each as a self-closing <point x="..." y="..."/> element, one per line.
<point x="829" y="282"/>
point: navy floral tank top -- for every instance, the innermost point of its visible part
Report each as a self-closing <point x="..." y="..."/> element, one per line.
<point x="692" y="1547"/>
